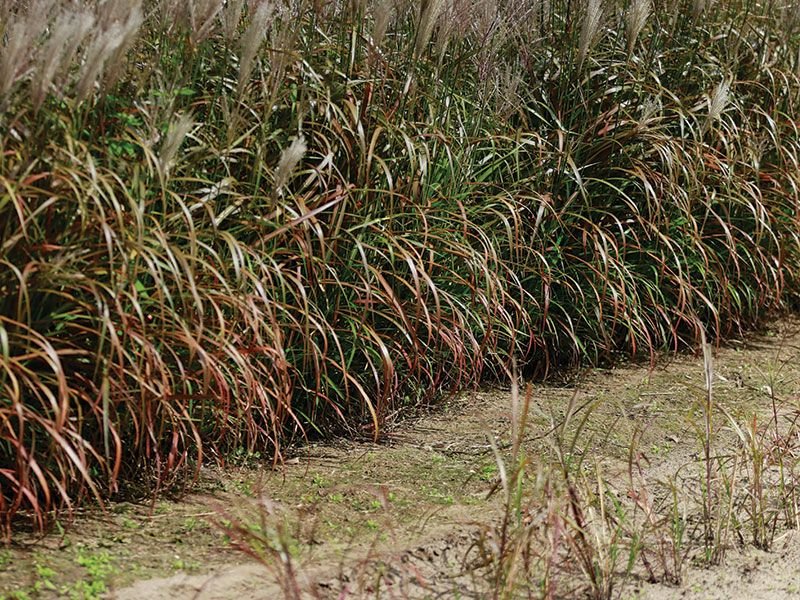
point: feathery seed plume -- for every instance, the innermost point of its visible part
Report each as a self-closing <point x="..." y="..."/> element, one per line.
<point x="202" y="16"/>
<point x="486" y="17"/>
<point x="650" y="109"/>
<point x="252" y="38"/>
<point x="130" y="22"/>
<point x="176" y="133"/>
<point x="231" y="16"/>
<point x="19" y="52"/>
<point x="454" y="20"/>
<point x="719" y="100"/>
<point x="508" y="83"/>
<point x="592" y="22"/>
<point x="101" y="47"/>
<point x="288" y="162"/>
<point x="384" y="15"/>
<point x="68" y="31"/>
<point x="109" y="12"/>
<point x="172" y="13"/>
<point x="118" y="25"/>
<point x="635" y="20"/>
<point x="428" y="15"/>
<point x="699" y="6"/>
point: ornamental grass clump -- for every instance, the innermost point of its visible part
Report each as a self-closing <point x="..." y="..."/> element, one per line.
<point x="236" y="225"/>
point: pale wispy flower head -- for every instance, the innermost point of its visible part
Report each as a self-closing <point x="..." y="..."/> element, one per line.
<point x="251" y="41"/>
<point x="68" y="31"/>
<point x="452" y="23"/>
<point x="592" y="24"/>
<point x="131" y="18"/>
<point x="118" y="24"/>
<point x="202" y="18"/>
<point x="650" y="108"/>
<point x="487" y="18"/>
<point x="18" y="42"/>
<point x="103" y="45"/>
<point x="429" y="14"/>
<point x="719" y="100"/>
<point x="176" y="133"/>
<point x="636" y="19"/>
<point x="384" y="15"/>
<point x="289" y="160"/>
<point x="700" y="6"/>
<point x="507" y="96"/>
<point x="231" y="16"/>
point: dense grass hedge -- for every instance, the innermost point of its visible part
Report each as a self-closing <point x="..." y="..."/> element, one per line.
<point x="224" y="225"/>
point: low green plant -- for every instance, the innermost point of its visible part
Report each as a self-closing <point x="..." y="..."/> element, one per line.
<point x="45" y="579"/>
<point x="271" y="542"/>
<point x="16" y="595"/>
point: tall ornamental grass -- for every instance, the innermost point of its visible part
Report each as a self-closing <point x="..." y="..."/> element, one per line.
<point x="228" y="225"/>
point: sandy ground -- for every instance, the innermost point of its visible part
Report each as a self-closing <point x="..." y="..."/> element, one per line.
<point x="404" y="518"/>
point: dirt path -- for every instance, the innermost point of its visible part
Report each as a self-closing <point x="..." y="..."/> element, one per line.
<point x="409" y="516"/>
